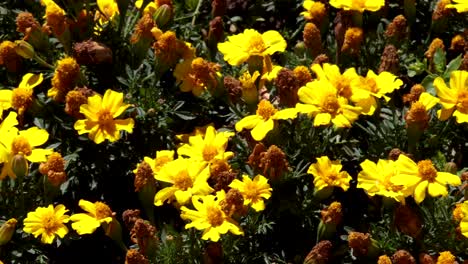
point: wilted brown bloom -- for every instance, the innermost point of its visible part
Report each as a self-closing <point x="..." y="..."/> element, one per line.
<point x="446" y="258"/>
<point x="414" y="94"/>
<point x="218" y="8"/>
<point x="144" y="234"/>
<point x="287" y="86"/>
<point x="54" y="169"/>
<point x="302" y="75"/>
<point x="425" y="259"/>
<point x="213" y="253"/>
<point x="389" y="60"/>
<point x="215" y="34"/>
<point x="254" y="158"/>
<point x="65" y="78"/>
<point x="417" y="116"/>
<point x="312" y="39"/>
<point x="458" y="214"/>
<point x="359" y="242"/>
<point x="273" y="162"/>
<point x="384" y="259"/>
<point x="342" y="22"/>
<point x="407" y="221"/>
<point x="397" y="30"/>
<point x="321" y="59"/>
<point x="221" y="175"/>
<point x="135" y="257"/>
<point x="234" y="88"/>
<point x="458" y="44"/>
<point x="143" y="29"/>
<point x="464" y="176"/>
<point x="403" y="257"/>
<point x="333" y="214"/>
<point x="25" y="21"/>
<point x="440" y="11"/>
<point x="169" y="49"/>
<point x="394" y="154"/>
<point x="91" y="52"/>
<point x="8" y="56"/>
<point x="435" y="44"/>
<point x="75" y="99"/>
<point x="352" y="40"/>
<point x="233" y="203"/>
<point x="320" y="253"/>
<point x="144" y="175"/>
<point x="130" y="216"/>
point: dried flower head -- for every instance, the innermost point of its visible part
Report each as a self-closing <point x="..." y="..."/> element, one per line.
<point x="333" y="214"/>
<point x="321" y="253"/>
<point x="234" y="88"/>
<point x="135" y="257"/>
<point x="65" y="78"/>
<point x="169" y="49"/>
<point x="437" y="43"/>
<point x="397" y="30"/>
<point x="321" y="59"/>
<point x="144" y="175"/>
<point x="144" y="234"/>
<point x="426" y="259"/>
<point x="54" y="169"/>
<point x="394" y="154"/>
<point x="8" y="56"/>
<point x="233" y="203"/>
<point x="218" y="8"/>
<point x="408" y="221"/>
<point x="413" y="96"/>
<point x="215" y="34"/>
<point x="312" y="39"/>
<point x="287" y="86"/>
<point x="389" y="61"/>
<point x="403" y="257"/>
<point x="359" y="242"/>
<point x="143" y="29"/>
<point x="130" y="216"/>
<point x="352" y="40"/>
<point x="26" y="21"/>
<point x="458" y="44"/>
<point x="441" y="11"/>
<point x="91" y="52"/>
<point x="302" y="75"/>
<point x="458" y="214"/>
<point x="273" y="162"/>
<point x="73" y="101"/>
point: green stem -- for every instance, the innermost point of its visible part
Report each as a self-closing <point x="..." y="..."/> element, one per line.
<point x="43" y="62"/>
<point x="196" y="12"/>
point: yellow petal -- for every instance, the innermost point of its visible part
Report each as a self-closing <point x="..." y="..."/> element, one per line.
<point x="435" y="189"/>
<point x="261" y="129"/>
<point x="35" y="136"/>
<point x="30" y="80"/>
<point x="248" y="122"/>
<point x="420" y="191"/>
<point x="163" y="195"/>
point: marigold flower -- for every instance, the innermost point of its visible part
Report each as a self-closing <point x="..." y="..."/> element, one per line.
<point x="457" y="213"/>
<point x="328" y="173"/>
<point x="54" y="169"/>
<point x="109" y="9"/>
<point x="464" y="221"/>
<point x="47" y="222"/>
<point x="263" y="121"/>
<point x="8" y="56"/>
<point x="436" y="43"/>
<point x="418" y="113"/>
<point x="75" y="99"/>
<point x="21" y="143"/>
<point x="135" y="257"/>
<point x="143" y="29"/>
<point x="321" y="253"/>
<point x="460" y="5"/>
<point x="384" y="259"/>
<point x="417" y="177"/>
<point x="321" y="100"/>
<point x="161" y="159"/>
<point x="209" y="217"/>
<point x="26" y="21"/>
<point x="253" y="191"/>
<point x="352" y="40"/>
<point x="376" y="179"/>
<point x="97" y="213"/>
<point x="169" y="49"/>
<point x="144" y="234"/>
<point x="21" y="97"/>
<point x="233" y="203"/>
<point x="331" y="73"/>
<point x="187" y="177"/>
<point x="273" y="162"/>
<point x="333" y="214"/>
<point x="315" y="11"/>
<point x="55" y="17"/>
<point x="403" y="256"/>
<point x="65" y="77"/>
<point x="358" y="5"/>
<point x="153" y="6"/>
<point x="446" y="258"/>
<point x="100" y="114"/>
<point x="239" y="48"/>
<point x="415" y="93"/>
<point x="454" y="100"/>
<point x="7" y="229"/>
<point x="197" y="76"/>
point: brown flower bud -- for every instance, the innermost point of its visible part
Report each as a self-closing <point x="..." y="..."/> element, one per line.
<point x="333" y="214"/>
<point x="359" y="242"/>
<point x="144" y="234"/>
<point x="130" y="217"/>
<point x="163" y="15"/>
<point x="426" y="259"/>
<point x="233" y="203"/>
<point x="215" y="34"/>
<point x="19" y="165"/>
<point x="403" y="257"/>
<point x="144" y="175"/>
<point x="321" y="59"/>
<point x="218" y="8"/>
<point x="389" y="60"/>
<point x="135" y="257"/>
<point x="312" y="39"/>
<point x="397" y="30"/>
<point x="437" y="43"/>
<point x="440" y="11"/>
<point x="352" y="40"/>
<point x="394" y="154"/>
<point x="273" y="162"/>
<point x="458" y="44"/>
<point x="321" y="253"/>
<point x="408" y="221"/>
<point x="464" y="176"/>
<point x="7" y="230"/>
<point x="302" y="75"/>
<point x="234" y="88"/>
<point x="287" y="86"/>
<point x="414" y="94"/>
<point x="91" y="52"/>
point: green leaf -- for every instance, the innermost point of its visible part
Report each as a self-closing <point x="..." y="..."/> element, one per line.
<point x="453" y="66"/>
<point x="428" y="83"/>
<point x="439" y="60"/>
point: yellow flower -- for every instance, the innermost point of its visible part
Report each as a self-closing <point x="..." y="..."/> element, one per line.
<point x="47" y="222"/>
<point x="207" y="148"/>
<point x="328" y="173"/>
<point x="253" y="191"/>
<point x="187" y="177"/>
<point x="153" y="6"/>
<point x="358" y="5"/>
<point x="239" y="48"/>
<point x="197" y="75"/>
<point x="322" y="100"/>
<point x="21" y="97"/>
<point x="446" y="258"/>
<point x="315" y="11"/>
<point x="55" y="17"/>
<point x="464" y="221"/>
<point x="417" y="177"/>
<point x="162" y="158"/>
<point x="331" y="73"/>
<point x="454" y="100"/>
<point x="209" y="217"/>
<point x="97" y="213"/>
<point x="108" y="7"/>
<point x="371" y="87"/>
<point x="100" y="114"/>
<point x="249" y="88"/>
<point x="376" y="179"/>
<point x="460" y="5"/>
<point x="65" y="77"/>
<point x="262" y="122"/>
<point x="22" y="143"/>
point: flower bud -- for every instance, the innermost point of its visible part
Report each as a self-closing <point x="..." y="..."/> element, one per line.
<point x="7" y="230"/>
<point x="320" y="253"/>
<point x="403" y="256"/>
<point x="163" y="15"/>
<point x="19" y="166"/>
<point x="451" y="167"/>
<point x="24" y="49"/>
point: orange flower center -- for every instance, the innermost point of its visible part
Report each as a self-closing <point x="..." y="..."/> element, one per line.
<point x="102" y="210"/>
<point x="330" y="177"/>
<point x="21" y="145"/>
<point x="21" y="98"/>
<point x="209" y="152"/>
<point x="106" y="120"/>
<point x="463" y="99"/>
<point x="215" y="216"/>
<point x="251" y="191"/>
<point x="427" y="171"/>
<point x="49" y="222"/>
<point x="256" y="45"/>
<point x="266" y="110"/>
<point x="331" y="104"/>
<point x="343" y="87"/>
<point x="371" y="85"/>
<point x="183" y="181"/>
<point x="160" y="161"/>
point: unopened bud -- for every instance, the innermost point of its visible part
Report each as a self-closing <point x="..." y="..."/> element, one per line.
<point x="451" y="167"/>
<point x="7" y="230"/>
<point x="19" y="166"/>
<point x="24" y="49"/>
<point x="163" y="15"/>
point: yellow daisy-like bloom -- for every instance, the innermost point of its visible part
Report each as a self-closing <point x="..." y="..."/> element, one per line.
<point x="358" y="5"/>
<point x="315" y="11"/>
<point x="321" y="100"/>
<point x="371" y="87"/>
<point x="21" y="97"/>
<point x="417" y="177"/>
<point x="239" y="48"/>
<point x="342" y="82"/>
<point x="55" y="17"/>
<point x="209" y="217"/>
<point x="375" y="179"/>
<point x="446" y="257"/>
<point x="100" y="115"/>
<point x="47" y="222"/>
<point x="464" y="220"/>
<point x="249" y="88"/>
<point x="21" y="143"/>
<point x="460" y="5"/>
<point x="197" y="75"/>
<point x="328" y="173"/>
<point x="162" y="158"/>
<point x="108" y="7"/>
<point x="207" y="148"/>
<point x="97" y="213"/>
<point x="153" y="6"/>
<point x="253" y="191"/>
<point x="187" y="177"/>
<point x="263" y="121"/>
<point x="454" y="100"/>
